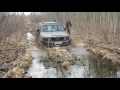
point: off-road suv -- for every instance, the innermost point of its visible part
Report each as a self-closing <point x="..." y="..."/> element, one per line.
<point x="53" y="34"/>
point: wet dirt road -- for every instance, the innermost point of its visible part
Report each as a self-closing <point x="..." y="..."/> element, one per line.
<point x="87" y="67"/>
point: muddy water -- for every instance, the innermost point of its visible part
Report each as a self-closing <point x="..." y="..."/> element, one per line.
<point x="87" y="66"/>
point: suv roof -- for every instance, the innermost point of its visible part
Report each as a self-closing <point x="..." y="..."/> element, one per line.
<point x="49" y="22"/>
<point x="46" y="23"/>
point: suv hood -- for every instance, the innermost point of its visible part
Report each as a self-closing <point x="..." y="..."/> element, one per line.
<point x="54" y="34"/>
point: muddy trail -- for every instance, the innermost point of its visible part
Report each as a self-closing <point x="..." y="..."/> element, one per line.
<point x="87" y="67"/>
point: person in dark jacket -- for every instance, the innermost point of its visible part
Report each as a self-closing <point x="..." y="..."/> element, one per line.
<point x="68" y="26"/>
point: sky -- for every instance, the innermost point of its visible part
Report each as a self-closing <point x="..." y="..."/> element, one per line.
<point x="27" y="13"/>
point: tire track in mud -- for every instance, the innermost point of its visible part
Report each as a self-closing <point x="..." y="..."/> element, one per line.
<point x="37" y="69"/>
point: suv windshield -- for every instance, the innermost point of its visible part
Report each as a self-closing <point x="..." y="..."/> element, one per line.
<point x="52" y="28"/>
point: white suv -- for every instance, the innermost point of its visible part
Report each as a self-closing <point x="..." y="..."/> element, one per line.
<point x="53" y="34"/>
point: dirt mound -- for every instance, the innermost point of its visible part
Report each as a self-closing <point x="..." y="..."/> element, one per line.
<point x="62" y="56"/>
<point x="16" y="72"/>
<point x="66" y="65"/>
<point x="19" y="67"/>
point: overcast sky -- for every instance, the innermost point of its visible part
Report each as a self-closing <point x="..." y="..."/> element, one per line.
<point x="27" y="13"/>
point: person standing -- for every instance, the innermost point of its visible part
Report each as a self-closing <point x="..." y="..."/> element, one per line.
<point x="68" y="26"/>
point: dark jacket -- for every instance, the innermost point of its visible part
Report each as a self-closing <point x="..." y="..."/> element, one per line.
<point x="68" y="24"/>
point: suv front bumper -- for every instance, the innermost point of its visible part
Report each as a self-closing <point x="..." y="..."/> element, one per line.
<point x="56" y="43"/>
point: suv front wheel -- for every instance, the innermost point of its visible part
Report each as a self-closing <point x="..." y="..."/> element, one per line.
<point x="70" y="42"/>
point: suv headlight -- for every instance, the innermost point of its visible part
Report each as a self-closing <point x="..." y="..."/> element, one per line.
<point x="46" y="39"/>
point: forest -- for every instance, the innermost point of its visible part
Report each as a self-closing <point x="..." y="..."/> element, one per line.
<point x="99" y="31"/>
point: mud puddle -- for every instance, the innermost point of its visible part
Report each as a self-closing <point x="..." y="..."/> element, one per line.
<point x="87" y="66"/>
